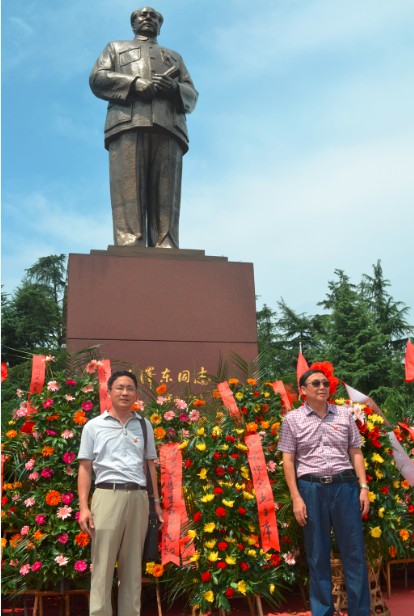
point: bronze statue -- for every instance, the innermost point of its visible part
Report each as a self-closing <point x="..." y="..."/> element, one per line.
<point x="149" y="91"/>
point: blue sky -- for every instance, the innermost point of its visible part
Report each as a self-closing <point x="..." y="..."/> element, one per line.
<point x="301" y="145"/>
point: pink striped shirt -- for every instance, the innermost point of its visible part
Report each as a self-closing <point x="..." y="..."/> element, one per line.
<point x="320" y="445"/>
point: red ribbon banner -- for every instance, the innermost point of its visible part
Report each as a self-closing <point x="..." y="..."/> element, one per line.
<point x="104" y="372"/>
<point x="38" y="374"/>
<point x="175" y="515"/>
<point x="228" y="399"/>
<point x="264" y="494"/>
<point x="279" y="388"/>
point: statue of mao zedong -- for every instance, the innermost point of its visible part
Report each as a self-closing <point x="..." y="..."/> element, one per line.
<point x="149" y="92"/>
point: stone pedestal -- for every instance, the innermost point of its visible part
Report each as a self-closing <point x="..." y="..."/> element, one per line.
<point x="167" y="313"/>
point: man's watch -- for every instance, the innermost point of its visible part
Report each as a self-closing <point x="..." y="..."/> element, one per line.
<point x="364" y="486"/>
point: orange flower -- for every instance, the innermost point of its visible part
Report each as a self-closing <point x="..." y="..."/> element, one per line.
<point x="199" y="403"/>
<point x="11" y="433"/>
<point x="404" y="534"/>
<point x="80" y="418"/>
<point x="82" y="539"/>
<point x="7" y="486"/>
<point x="233" y="381"/>
<point x="157" y="570"/>
<point x="15" y="540"/>
<point x="251" y="381"/>
<point x="251" y="427"/>
<point x="405" y="484"/>
<point x="47" y="451"/>
<point x="17" y="484"/>
<point x="53" y="498"/>
<point x="159" y="433"/>
<point x="161" y="389"/>
<point x="392" y="551"/>
<point x="216" y="394"/>
<point x="52" y="417"/>
<point x="38" y="535"/>
<point x="264" y="424"/>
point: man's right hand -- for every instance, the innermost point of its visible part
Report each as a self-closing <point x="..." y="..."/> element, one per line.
<point x="145" y="88"/>
<point x="299" y="510"/>
<point x="86" y="521"/>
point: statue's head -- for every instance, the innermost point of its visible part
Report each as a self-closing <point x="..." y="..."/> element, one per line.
<point x="146" y="21"/>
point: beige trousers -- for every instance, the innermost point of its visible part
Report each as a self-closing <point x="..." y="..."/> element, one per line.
<point x="121" y="520"/>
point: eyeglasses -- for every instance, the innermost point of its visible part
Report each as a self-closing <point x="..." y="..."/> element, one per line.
<point x="128" y="388"/>
<point x="318" y="383"/>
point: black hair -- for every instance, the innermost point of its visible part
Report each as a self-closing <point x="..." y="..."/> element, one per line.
<point x="306" y="375"/>
<point x="118" y="374"/>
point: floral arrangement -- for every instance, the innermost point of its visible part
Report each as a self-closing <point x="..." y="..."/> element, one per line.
<point x="389" y="525"/>
<point x="42" y="542"/>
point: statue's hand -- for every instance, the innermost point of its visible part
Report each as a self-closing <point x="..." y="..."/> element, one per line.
<point x="145" y="88"/>
<point x="165" y="86"/>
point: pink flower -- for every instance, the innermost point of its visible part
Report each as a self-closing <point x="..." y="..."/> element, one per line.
<point x="87" y="406"/>
<point x="93" y="366"/>
<point x="40" y="519"/>
<point x="14" y="562"/>
<point x="289" y="558"/>
<point x="181" y="404"/>
<point x="161" y="400"/>
<point x="29" y="464"/>
<point x="185" y="433"/>
<point x="69" y="398"/>
<point x="183" y="417"/>
<point x="87" y="389"/>
<point x="37" y="565"/>
<point x="67" y="434"/>
<point x="80" y="566"/>
<point x="61" y="560"/>
<point x="25" y="569"/>
<point x="49" y="358"/>
<point x="51" y="432"/>
<point x="20" y="412"/>
<point x="34" y="476"/>
<point x="194" y="415"/>
<point x="63" y="538"/>
<point x="19" y="393"/>
<point x="67" y="498"/>
<point x="53" y="386"/>
<point x="77" y="515"/>
<point x="140" y="405"/>
<point x="69" y="470"/>
<point x="29" y="502"/>
<point x="169" y="415"/>
<point x="64" y="512"/>
<point x="24" y="531"/>
<point x="68" y="457"/>
<point x="16" y="497"/>
<point x="47" y="403"/>
<point x="271" y="466"/>
<point x="46" y="472"/>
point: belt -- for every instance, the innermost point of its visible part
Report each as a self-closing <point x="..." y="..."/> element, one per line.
<point x="346" y="476"/>
<point x="120" y="486"/>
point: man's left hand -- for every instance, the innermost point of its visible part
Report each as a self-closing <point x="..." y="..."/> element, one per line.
<point x="364" y="502"/>
<point x="159" y="512"/>
<point x="164" y="85"/>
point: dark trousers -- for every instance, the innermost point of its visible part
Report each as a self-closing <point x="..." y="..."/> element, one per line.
<point x="335" y="505"/>
<point x="145" y="169"/>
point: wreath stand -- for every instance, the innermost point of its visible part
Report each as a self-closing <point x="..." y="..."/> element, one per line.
<point x="339" y="591"/>
<point x="253" y="601"/>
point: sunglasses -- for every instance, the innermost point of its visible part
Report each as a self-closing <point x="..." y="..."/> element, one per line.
<point x="318" y="383"/>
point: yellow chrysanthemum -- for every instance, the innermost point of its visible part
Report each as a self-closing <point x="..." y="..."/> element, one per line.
<point x="209" y="596"/>
<point x="252" y="553"/>
<point x="370" y="425"/>
<point x="183" y="445"/>
<point x="200" y="431"/>
<point x="239" y="395"/>
<point x="241" y="587"/>
<point x="248" y="496"/>
<point x="230" y="539"/>
<point x="201" y="446"/>
<point x="396" y="484"/>
<point x="149" y="567"/>
<point x="239" y="431"/>
<point x="192" y="534"/>
<point x="227" y="503"/>
<point x="230" y="560"/>
<point x="376" y="532"/>
<point x="207" y="498"/>
<point x="377" y="418"/>
<point x="213" y="557"/>
<point x="210" y="544"/>
<point x="209" y="527"/>
<point x="265" y="394"/>
<point x="252" y="540"/>
<point x="272" y="588"/>
<point x="203" y="473"/>
<point x="381" y="512"/>
<point x="245" y="473"/>
<point x="240" y="486"/>
<point x="241" y="446"/>
<point x="195" y="557"/>
<point x="217" y="430"/>
<point x="340" y="401"/>
<point x="224" y="447"/>
<point x="372" y="497"/>
<point x="155" y="419"/>
<point x="379" y="473"/>
<point x="377" y="458"/>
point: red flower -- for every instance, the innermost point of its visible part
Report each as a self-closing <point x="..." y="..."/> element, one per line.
<point x="222" y="545"/>
<point x="216" y="455"/>
<point x="231" y="469"/>
<point x="4" y="500"/>
<point x="70" y="382"/>
<point x="275" y="560"/>
<point x="229" y="593"/>
<point x="218" y="490"/>
<point x="205" y="577"/>
<point x="234" y="456"/>
<point x="240" y="546"/>
<point x="230" y="438"/>
<point x="255" y="394"/>
<point x="410" y="508"/>
<point x="188" y="463"/>
<point x="47" y="403"/>
<point x="244" y="566"/>
<point x="221" y="512"/>
<point x="242" y="510"/>
<point x="221" y="564"/>
<point x="384" y="490"/>
<point x="244" y="410"/>
<point x="220" y="471"/>
<point x="197" y="516"/>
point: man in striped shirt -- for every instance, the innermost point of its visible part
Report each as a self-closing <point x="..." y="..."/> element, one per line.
<point x="325" y="473"/>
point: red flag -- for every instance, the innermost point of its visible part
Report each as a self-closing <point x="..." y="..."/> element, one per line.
<point x="301" y="366"/>
<point x="409" y="362"/>
<point x="4" y="371"/>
